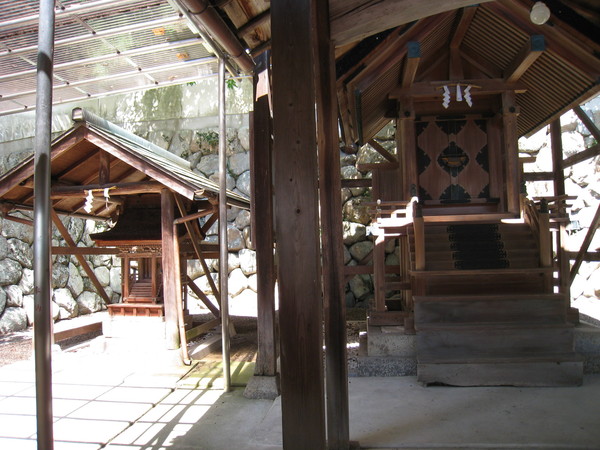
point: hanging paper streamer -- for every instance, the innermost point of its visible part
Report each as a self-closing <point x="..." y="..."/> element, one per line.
<point x="458" y="93"/>
<point x="446" y="97"/>
<point x="89" y="200"/>
<point x="467" y="94"/>
<point x="106" y="197"/>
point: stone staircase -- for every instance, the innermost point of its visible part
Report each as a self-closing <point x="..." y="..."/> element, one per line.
<point x="483" y="314"/>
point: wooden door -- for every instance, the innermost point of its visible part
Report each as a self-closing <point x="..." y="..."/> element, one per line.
<point x="453" y="160"/>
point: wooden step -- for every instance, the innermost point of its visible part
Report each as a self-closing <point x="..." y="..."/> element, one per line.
<point x="538" y="309"/>
<point x="556" y="371"/>
<point x="136" y="309"/>
<point x="459" y="342"/>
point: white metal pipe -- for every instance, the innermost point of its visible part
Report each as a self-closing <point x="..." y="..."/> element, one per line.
<point x="223" y="255"/>
<point x="42" y="263"/>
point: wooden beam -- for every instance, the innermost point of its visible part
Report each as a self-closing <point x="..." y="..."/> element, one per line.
<point x="413" y="58"/>
<point x="538" y="176"/>
<point x="356" y="19"/>
<point x="338" y="428"/>
<point x="202" y="296"/>
<point x="530" y="52"/>
<point x="585" y="245"/>
<point x="584" y="155"/>
<point x="261" y="203"/>
<point x="588" y="122"/>
<point x="466" y="18"/>
<point x="433" y="89"/>
<point x="510" y="111"/>
<point x="297" y="225"/>
<point x="115" y="189"/>
<point x="170" y="269"/>
<point x="85" y="251"/>
<point x="255" y="22"/>
<point x="201" y="329"/>
<point x="382" y="151"/>
<point x="104" y="168"/>
<point x="363" y="182"/>
<point x="455" y="69"/>
<point x="365" y="167"/>
<point x="80" y="259"/>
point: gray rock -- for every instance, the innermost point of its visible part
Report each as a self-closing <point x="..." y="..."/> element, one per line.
<point x="353" y="232"/>
<point x="102" y="260"/>
<point x="115" y="279"/>
<point x="239" y="163"/>
<point x="350" y="299"/>
<point x="347" y="159"/>
<point x="75" y="282"/>
<point x="2" y="301"/>
<point x="351" y="173"/>
<point x="244" y="137"/>
<point x="359" y="288"/>
<point x="230" y="181"/>
<point x="67" y="304"/>
<point x="237" y="282"/>
<point x="248" y="237"/>
<point x="208" y="165"/>
<point x="26" y="283"/>
<point x="390" y="246"/>
<point x="203" y="283"/>
<point x="60" y="276"/>
<point x="3" y="247"/>
<point x="76" y="228"/>
<point x="367" y="155"/>
<point x="392" y="260"/>
<point x="243" y="219"/>
<point x="354" y="211"/>
<point x="14" y="296"/>
<point x="347" y="255"/>
<point x="233" y="262"/>
<point x="346" y="195"/>
<point x="243" y="183"/>
<point x="235" y="240"/>
<point x="194" y="268"/>
<point x="89" y="302"/>
<point x="361" y="250"/>
<point x="247" y="261"/>
<point x="103" y="275"/>
<point x="10" y="271"/>
<point x="232" y="213"/>
<point x="16" y="230"/>
<point x="12" y="320"/>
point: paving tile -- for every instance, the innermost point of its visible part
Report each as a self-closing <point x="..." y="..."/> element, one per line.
<point x="135" y="394"/>
<point x="14" y="387"/>
<point x="193" y="396"/>
<point x="17" y="426"/>
<point x="104" y="410"/>
<point x="88" y="431"/>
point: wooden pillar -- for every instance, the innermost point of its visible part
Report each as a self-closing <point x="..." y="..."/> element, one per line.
<point x="336" y="367"/>
<point x="262" y="219"/>
<point x="510" y="111"/>
<point x="297" y="227"/>
<point x="407" y="147"/>
<point x="564" y="285"/>
<point x="170" y="261"/>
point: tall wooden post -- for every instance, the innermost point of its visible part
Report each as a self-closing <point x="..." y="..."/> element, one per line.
<point x="262" y="219"/>
<point x="336" y="368"/>
<point x="297" y="227"/>
<point x="510" y="111"/>
<point x="564" y="285"/>
<point x="170" y="273"/>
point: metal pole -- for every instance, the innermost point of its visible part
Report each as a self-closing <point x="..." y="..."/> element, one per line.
<point x="223" y="255"/>
<point x="42" y="264"/>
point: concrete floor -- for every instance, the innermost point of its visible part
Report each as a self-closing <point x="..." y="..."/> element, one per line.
<point x="102" y="401"/>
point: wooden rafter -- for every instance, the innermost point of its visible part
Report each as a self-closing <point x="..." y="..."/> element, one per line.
<point x="585" y="245"/>
<point x="413" y="57"/>
<point x="528" y="54"/>
<point x="584" y="155"/>
<point x="382" y="151"/>
<point x="463" y="25"/>
<point x="588" y="122"/>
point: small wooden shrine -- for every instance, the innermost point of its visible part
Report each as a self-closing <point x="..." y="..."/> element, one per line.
<point x="102" y="172"/>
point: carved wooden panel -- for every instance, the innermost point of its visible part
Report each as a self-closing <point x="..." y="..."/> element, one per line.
<point x="453" y="160"/>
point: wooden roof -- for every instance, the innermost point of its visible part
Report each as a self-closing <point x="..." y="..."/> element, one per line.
<point x="96" y="155"/>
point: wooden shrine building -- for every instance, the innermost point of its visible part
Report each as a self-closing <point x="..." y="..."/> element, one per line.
<point x="155" y="201"/>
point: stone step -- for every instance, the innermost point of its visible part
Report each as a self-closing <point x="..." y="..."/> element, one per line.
<point x="560" y="371"/>
<point x="458" y="342"/>
<point x="538" y="308"/>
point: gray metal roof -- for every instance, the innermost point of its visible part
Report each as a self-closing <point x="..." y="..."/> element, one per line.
<point x="102" y="47"/>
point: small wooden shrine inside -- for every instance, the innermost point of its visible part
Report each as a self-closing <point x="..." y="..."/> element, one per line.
<point x="160" y="208"/>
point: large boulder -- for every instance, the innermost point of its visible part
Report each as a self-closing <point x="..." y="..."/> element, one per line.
<point x="12" y="320"/>
<point x="242" y="219"/>
<point x="361" y="250"/>
<point x="14" y="296"/>
<point x="354" y="211"/>
<point x="239" y="163"/>
<point x="208" y="165"/>
<point x="2" y="301"/>
<point x="75" y="282"/>
<point x="68" y="307"/>
<point x="3" y="247"/>
<point x="18" y="231"/>
<point x="26" y="284"/>
<point x="115" y="279"/>
<point x="10" y="271"/>
<point x="359" y="288"/>
<point x="89" y="302"/>
<point x="60" y="276"/>
<point x="103" y="275"/>
<point x="247" y="261"/>
<point x="76" y="228"/>
<point x="243" y="183"/>
<point x="237" y="282"/>
<point x="235" y="239"/>
<point x="353" y="232"/>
